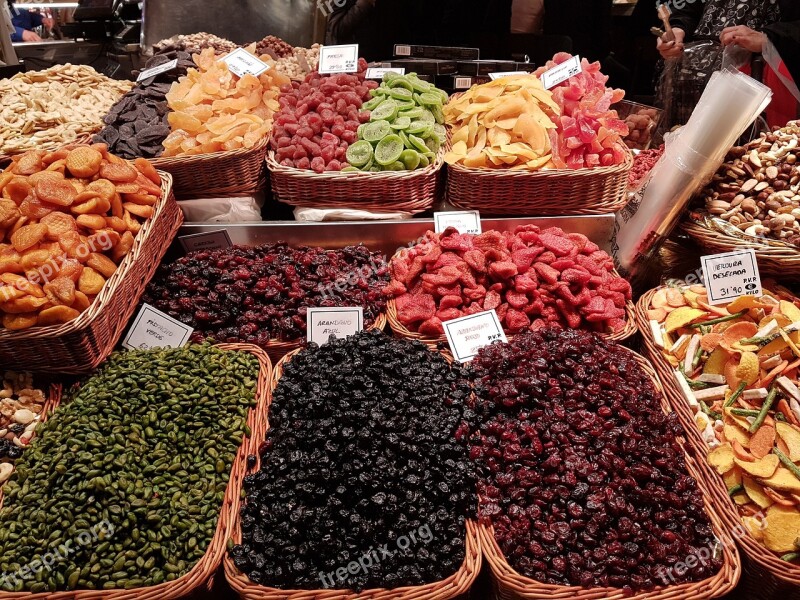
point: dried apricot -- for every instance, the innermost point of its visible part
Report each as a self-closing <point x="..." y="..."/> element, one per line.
<point x="139" y="210"/>
<point x="60" y="291"/>
<point x="102" y="264"/>
<point x="93" y="222"/>
<point x="9" y="212"/>
<point x="59" y="167"/>
<point x="82" y="301"/>
<point x="86" y="195"/>
<point x="35" y="209"/>
<point x="147" y="169"/>
<point x="20" y="322"/>
<point x="18" y="189"/>
<point x="56" y="191"/>
<point x="84" y="161"/>
<point x="133" y="225"/>
<point x="10" y="292"/>
<point x="71" y="269"/>
<point x="58" y="224"/>
<point x="142" y="199"/>
<point x="27" y="304"/>
<point x="33" y="259"/>
<point x="120" y="173"/>
<point x="116" y="206"/>
<point x="123" y="247"/>
<point x="41" y="175"/>
<point x="23" y="284"/>
<point x="148" y="186"/>
<point x="103" y="240"/>
<point x="57" y="315"/>
<point x="29" y="163"/>
<point x="116" y="223"/>
<point x="28" y="236"/>
<point x="97" y="206"/>
<point x="104" y="187"/>
<point x="128" y="188"/>
<point x="54" y="156"/>
<point x="90" y="282"/>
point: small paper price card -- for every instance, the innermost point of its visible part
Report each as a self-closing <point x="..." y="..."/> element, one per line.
<point x="208" y="240"/>
<point x="562" y="72"/>
<point x="153" y="329"/>
<point x="240" y="62"/>
<point x="467" y="335"/>
<point x="339" y="322"/>
<point x="730" y="275"/>
<point x="379" y="72"/>
<point x="466" y="221"/>
<point x="338" y="59"/>
<point x="494" y="76"/>
<point x="148" y="73"/>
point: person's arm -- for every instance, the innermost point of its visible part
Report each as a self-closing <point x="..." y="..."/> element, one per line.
<point x="17" y="35"/>
<point x="687" y="17"/>
<point x="344" y="21"/>
<point x="36" y="20"/>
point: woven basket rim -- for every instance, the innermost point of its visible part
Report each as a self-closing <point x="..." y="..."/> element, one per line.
<point x="459" y="582"/>
<point x="110" y="287"/>
<point x="187" y="159"/>
<point x="757" y="552"/>
<point x="717" y="585"/>
<point x="706" y="235"/>
<point x="205" y="568"/>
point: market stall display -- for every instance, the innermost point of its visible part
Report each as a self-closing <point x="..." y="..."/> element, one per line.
<point x="43" y="110"/>
<point x="77" y="253"/>
<point x="300" y="62"/>
<point x="137" y="125"/>
<point x="731" y="372"/>
<point x="530" y="277"/>
<point x="753" y="201"/>
<point x="259" y="295"/>
<point x="607" y="500"/>
<point x="391" y="133"/>
<point x="520" y="149"/>
<point x="392" y="408"/>
<point x="22" y="406"/>
<point x="152" y="507"/>
<point x="643" y="163"/>
<point x="194" y="43"/>
<point x="274" y="45"/>
<point x="642" y="121"/>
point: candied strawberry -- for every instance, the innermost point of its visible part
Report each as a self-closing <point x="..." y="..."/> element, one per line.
<point x="497" y="255"/>
<point x="467" y="278"/>
<point x="432" y="256"/>
<point x="569" y="313"/>
<point x="414" y="308"/>
<point x="516" y="300"/>
<point x="450" y="302"/>
<point x="447" y="290"/>
<point x="501" y="311"/>
<point x="448" y="314"/>
<point x="550" y="313"/>
<point x="473" y="308"/>
<point x="602" y="258"/>
<point x="476" y="294"/>
<point x="395" y="288"/>
<point x="524" y="258"/>
<point x="563" y="263"/>
<point x="502" y="270"/>
<point x="431" y="327"/>
<point x="414" y="270"/>
<point x="618" y="284"/>
<point x="516" y="321"/>
<point x="526" y="283"/>
<point x="616" y="324"/>
<point x="535" y="307"/>
<point x="546" y="272"/>
<point x="558" y="245"/>
<point x="616" y="297"/>
<point x="590" y="248"/>
<point x="445" y="276"/>
<point x="595" y="305"/>
<point x="489" y="240"/>
<point x="456" y="241"/>
<point x="497" y="287"/>
<point x="476" y="260"/>
<point x="546" y="257"/>
<point x="579" y="240"/>
<point x="447" y="259"/>
<point x="577" y="275"/>
<point x="492" y="300"/>
<point x="399" y="269"/>
<point x="589" y="264"/>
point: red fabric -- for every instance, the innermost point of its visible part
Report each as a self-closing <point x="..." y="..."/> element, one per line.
<point x="783" y="107"/>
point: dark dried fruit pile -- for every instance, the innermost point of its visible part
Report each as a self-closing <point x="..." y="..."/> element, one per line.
<point x="580" y="471"/>
<point x="254" y="294"/>
<point x="319" y="119"/>
<point x="361" y="455"/>
<point x="137" y="124"/>
<point x="274" y="44"/>
<point x="531" y="277"/>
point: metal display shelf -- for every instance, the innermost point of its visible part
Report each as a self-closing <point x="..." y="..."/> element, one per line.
<point x="386" y="236"/>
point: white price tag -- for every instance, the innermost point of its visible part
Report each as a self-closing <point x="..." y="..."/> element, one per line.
<point x="338" y="59"/>
<point x="466" y="221"/>
<point x="210" y="240"/>
<point x="153" y="329"/>
<point x="148" y="73"/>
<point x="240" y="62"/>
<point x="378" y="73"/>
<point x="339" y="322"/>
<point x="463" y="83"/>
<point x="494" y="76"/>
<point x="469" y="334"/>
<point x="730" y="275"/>
<point x="561" y="72"/>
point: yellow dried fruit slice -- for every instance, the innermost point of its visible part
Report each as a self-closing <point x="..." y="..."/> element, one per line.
<point x="791" y="437"/>
<point x="790" y="311"/>
<point x="782" y="480"/>
<point x="761" y="469"/>
<point x="715" y="364"/>
<point x="749" y="368"/>
<point x="722" y="458"/>
<point x="756" y="492"/>
<point x="732" y="478"/>
<point x="733" y="432"/>
<point x="744" y="303"/>
<point x="680" y="317"/>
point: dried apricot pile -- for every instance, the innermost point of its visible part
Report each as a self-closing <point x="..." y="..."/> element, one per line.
<point x="737" y="365"/>
<point x="67" y="219"/>
<point x="214" y="110"/>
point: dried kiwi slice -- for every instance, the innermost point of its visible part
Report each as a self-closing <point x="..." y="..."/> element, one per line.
<point x="423" y="161"/>
<point x="350" y="169"/>
<point x="440" y="132"/>
<point x="375" y="131"/>
<point x="401" y="93"/>
<point x="401" y="123"/>
<point x="414" y="113"/>
<point x="389" y="75"/>
<point x="419" y="85"/>
<point x="430" y="99"/>
<point x="402" y="82"/>
<point x="389" y="150"/>
<point x="386" y="110"/>
<point x="427" y="116"/>
<point x="418" y="143"/>
<point x="438" y="114"/>
<point x="372" y="104"/>
<point x="433" y="145"/>
<point x="410" y="158"/>
<point x="420" y="128"/>
<point x="406" y="142"/>
<point x="395" y="166"/>
<point x="359" y="153"/>
<point x="405" y="104"/>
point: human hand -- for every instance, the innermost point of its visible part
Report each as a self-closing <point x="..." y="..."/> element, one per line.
<point x="48" y="22"/>
<point x="671" y="46"/>
<point x="743" y="36"/>
<point x="30" y="36"/>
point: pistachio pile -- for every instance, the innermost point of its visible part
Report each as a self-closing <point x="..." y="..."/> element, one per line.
<point x="757" y="189"/>
<point x="21" y="406"/>
<point x="129" y="474"/>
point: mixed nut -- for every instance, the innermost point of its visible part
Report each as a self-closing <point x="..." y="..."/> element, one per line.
<point x="757" y="189"/>
<point x="21" y="407"/>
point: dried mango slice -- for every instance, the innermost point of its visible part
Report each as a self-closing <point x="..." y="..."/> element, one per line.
<point x="732" y="432"/>
<point x="680" y="317"/>
<point x="789" y="310"/>
<point x="762" y="468"/>
<point x="744" y="303"/>
<point x="732" y="478"/>
<point x="756" y="493"/>
<point x="749" y="368"/>
<point x="790" y="435"/>
<point x="782" y="480"/>
<point x="722" y="458"/>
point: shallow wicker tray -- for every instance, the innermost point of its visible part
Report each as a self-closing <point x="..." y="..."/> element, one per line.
<point x="387" y="191"/>
<point x="767" y="574"/>
<point x="202" y="573"/>
<point x="83" y="343"/>
<point x="234" y="172"/>
<point x="541" y="193"/>
<point x="510" y="585"/>
<point x="455" y="586"/>
<point x="779" y="259"/>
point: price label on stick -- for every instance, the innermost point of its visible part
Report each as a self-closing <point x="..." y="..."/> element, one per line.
<point x="562" y="72"/>
<point x="240" y="62"/>
<point x="730" y="275"/>
<point x="153" y="329"/>
<point x="494" y="76"/>
<point x="466" y="221"/>
<point x="148" y="73"/>
<point x="338" y="59"/>
<point x="469" y="334"/>
<point x="208" y="240"/>
<point x="379" y="72"/>
<point x="340" y="322"/>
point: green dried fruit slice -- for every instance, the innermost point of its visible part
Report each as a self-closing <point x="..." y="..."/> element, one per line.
<point x="375" y="131"/>
<point x="359" y="153"/>
<point x="410" y="158"/>
<point x="389" y="76"/>
<point x="372" y="104"/>
<point x="350" y="169"/>
<point x="423" y="161"/>
<point x="430" y="99"/>
<point x="386" y="110"/>
<point x="404" y="137"/>
<point x="401" y="82"/>
<point x="419" y="86"/>
<point x="401" y="123"/>
<point x="438" y="114"/>
<point x="440" y="131"/>
<point x="414" y="113"/>
<point x="389" y="150"/>
<point x="395" y="166"/>
<point x="418" y="143"/>
<point x="427" y="116"/>
<point x="433" y="145"/>
<point x="420" y="128"/>
<point x="401" y="93"/>
<point x="375" y="169"/>
<point x="405" y="104"/>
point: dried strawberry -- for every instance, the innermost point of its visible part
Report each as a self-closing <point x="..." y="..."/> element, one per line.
<point x="595" y="305"/>
<point x="476" y="294"/>
<point x="473" y="308"/>
<point x="563" y="263"/>
<point x="502" y="270"/>
<point x="546" y="257"/>
<point x="497" y="255"/>
<point x="569" y="313"/>
<point x="501" y="311"/>
<point x="447" y="290"/>
<point x="590" y="248"/>
<point x="526" y="283"/>
<point x="414" y="270"/>
<point x="448" y="314"/>
<point x="620" y="285"/>
<point x="450" y="302"/>
<point x="577" y="275"/>
<point x="414" y="308"/>
<point x="433" y="255"/>
<point x="616" y="297"/>
<point x="476" y="260"/>
<point x="524" y="258"/>
<point x="432" y="327"/>
<point x="559" y="246"/>
<point x="516" y="300"/>
<point x="395" y="288"/>
<point x="446" y="276"/>
<point x="446" y="259"/>
<point x="602" y="258"/>
<point x="590" y="265"/>
<point x="492" y="300"/>
<point x="546" y="272"/>
<point x="457" y="241"/>
<point x="489" y="240"/>
<point x="516" y="321"/>
<point x="579" y="240"/>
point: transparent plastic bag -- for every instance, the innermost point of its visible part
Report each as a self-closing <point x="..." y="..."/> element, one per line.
<point x="316" y="215"/>
<point x="244" y="209"/>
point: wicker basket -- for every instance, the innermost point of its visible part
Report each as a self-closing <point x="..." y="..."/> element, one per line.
<point x="206" y="567"/>
<point x="235" y="172"/>
<point x="510" y="585"/>
<point x="387" y="191"/>
<point x="542" y="193"/>
<point x="767" y="575"/>
<point x="83" y="343"/>
<point x="774" y="258"/>
<point x="456" y="586"/>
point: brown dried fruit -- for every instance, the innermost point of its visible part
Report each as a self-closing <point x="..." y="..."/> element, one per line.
<point x="120" y="173"/>
<point x="57" y="315"/>
<point x="102" y="264"/>
<point x="84" y="161"/>
<point x="58" y="224"/>
<point x="90" y="282"/>
<point x="60" y="291"/>
<point x="20" y="322"/>
<point x="93" y="222"/>
<point x="28" y="236"/>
